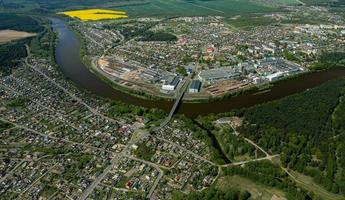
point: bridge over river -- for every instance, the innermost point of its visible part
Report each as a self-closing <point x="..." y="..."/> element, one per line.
<point x="67" y="54"/>
<point x="179" y="97"/>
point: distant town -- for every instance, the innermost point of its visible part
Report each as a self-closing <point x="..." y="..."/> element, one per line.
<point x="218" y="58"/>
<point x="256" y="110"/>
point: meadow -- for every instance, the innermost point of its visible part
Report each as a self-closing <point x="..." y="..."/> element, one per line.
<point x="198" y="7"/>
<point x="147" y="8"/>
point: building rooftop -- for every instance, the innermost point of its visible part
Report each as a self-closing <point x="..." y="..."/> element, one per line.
<point x="220" y="73"/>
<point x="196" y="84"/>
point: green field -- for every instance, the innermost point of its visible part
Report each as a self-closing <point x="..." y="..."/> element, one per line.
<point x="192" y="8"/>
<point x="144" y="8"/>
<point x="256" y="190"/>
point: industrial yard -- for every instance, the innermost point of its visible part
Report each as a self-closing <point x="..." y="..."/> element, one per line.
<point x="155" y="55"/>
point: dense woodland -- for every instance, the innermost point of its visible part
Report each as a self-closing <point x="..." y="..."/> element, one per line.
<point x="234" y="147"/>
<point x="19" y="23"/>
<point x="307" y="130"/>
<point x="12" y="52"/>
<point x="4" y="126"/>
<point x="53" y="5"/>
<point x="268" y="174"/>
<point x="329" y="60"/>
<point x="130" y="29"/>
<point x="149" y="36"/>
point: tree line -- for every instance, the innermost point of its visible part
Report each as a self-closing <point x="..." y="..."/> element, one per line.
<point x="307" y="129"/>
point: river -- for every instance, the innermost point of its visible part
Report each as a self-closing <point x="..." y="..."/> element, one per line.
<point x="67" y="54"/>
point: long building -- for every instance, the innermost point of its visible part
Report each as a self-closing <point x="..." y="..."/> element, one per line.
<point x="171" y="83"/>
<point x="224" y="73"/>
<point x="195" y="86"/>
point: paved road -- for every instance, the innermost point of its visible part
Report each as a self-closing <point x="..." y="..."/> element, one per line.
<point x="157" y="167"/>
<point x="97" y="181"/>
<point x="179" y="98"/>
<point x="92" y="110"/>
<point x="186" y="150"/>
<point x="11" y="172"/>
<point x="53" y="137"/>
<point x="114" y="160"/>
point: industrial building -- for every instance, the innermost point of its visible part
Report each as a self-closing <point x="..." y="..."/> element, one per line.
<point x="274" y="77"/>
<point x="224" y="73"/>
<point x="195" y="86"/>
<point x="171" y="83"/>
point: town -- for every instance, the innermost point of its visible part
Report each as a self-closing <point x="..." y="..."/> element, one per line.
<point x="60" y="142"/>
<point x="224" y="61"/>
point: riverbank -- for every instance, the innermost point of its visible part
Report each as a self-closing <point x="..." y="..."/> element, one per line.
<point x="90" y="65"/>
<point x="139" y="92"/>
<point x="69" y="60"/>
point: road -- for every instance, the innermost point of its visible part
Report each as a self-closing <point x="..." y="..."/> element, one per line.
<point x="186" y="150"/>
<point x="114" y="160"/>
<point x="98" y="180"/>
<point x="157" y="167"/>
<point x="92" y="110"/>
<point x="248" y="161"/>
<point x="11" y="172"/>
<point x="257" y="146"/>
<point x="53" y="137"/>
<point x="179" y="98"/>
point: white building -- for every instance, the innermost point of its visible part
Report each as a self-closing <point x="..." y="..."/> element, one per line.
<point x="275" y="76"/>
<point x="171" y="83"/>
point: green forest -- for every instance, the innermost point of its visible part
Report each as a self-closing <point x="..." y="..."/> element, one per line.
<point x="329" y="60"/>
<point x="19" y="23"/>
<point x="158" y="36"/>
<point x="307" y="130"/>
<point x="268" y="174"/>
<point x="12" y="52"/>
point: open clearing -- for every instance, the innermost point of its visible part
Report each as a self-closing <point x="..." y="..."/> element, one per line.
<point x="202" y="7"/>
<point x="257" y="191"/>
<point x="10" y="35"/>
<point x="308" y="184"/>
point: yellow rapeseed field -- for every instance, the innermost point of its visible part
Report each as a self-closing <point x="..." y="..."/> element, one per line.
<point x="95" y="14"/>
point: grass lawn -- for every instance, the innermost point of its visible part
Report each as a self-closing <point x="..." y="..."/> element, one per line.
<point x="188" y="8"/>
<point x="257" y="191"/>
<point x="249" y="21"/>
<point x="307" y="183"/>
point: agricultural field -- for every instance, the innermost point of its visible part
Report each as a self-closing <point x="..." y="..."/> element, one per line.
<point x="95" y="14"/>
<point x="193" y="8"/>
<point x="10" y="35"/>
<point x="144" y="8"/>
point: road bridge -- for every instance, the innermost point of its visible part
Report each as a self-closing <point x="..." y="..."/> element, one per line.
<point x="173" y="109"/>
<point x="178" y="100"/>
